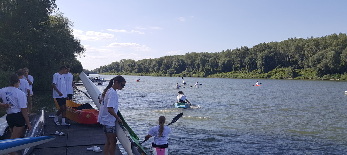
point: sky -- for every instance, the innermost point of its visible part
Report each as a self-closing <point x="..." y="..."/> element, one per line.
<point x="111" y="30"/>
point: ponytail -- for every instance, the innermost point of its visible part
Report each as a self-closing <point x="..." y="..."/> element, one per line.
<point x="161" y="125"/>
<point x="110" y="84"/>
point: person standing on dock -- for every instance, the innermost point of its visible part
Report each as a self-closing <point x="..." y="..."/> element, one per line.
<point x="24" y="86"/>
<point x="16" y="103"/>
<point x="30" y="80"/>
<point x="60" y="94"/>
<point x="108" y="113"/>
<point x="69" y="83"/>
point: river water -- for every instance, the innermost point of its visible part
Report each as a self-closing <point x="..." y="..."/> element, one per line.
<point x="235" y="117"/>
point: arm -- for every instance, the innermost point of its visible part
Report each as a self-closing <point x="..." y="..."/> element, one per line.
<point x="4" y="105"/>
<point x="147" y="137"/>
<point x="56" y="89"/>
<point x="26" y="117"/>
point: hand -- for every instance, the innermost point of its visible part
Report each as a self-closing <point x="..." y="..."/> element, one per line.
<point x="29" y="126"/>
<point x="119" y="120"/>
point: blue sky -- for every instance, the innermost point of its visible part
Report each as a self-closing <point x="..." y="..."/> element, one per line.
<point x="112" y="30"/>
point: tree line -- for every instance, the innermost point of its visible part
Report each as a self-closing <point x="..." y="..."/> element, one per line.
<point x="34" y="34"/>
<point x="311" y="58"/>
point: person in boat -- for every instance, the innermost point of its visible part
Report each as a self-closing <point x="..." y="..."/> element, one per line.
<point x="108" y="113"/>
<point x="257" y="83"/>
<point x="177" y="86"/>
<point x="15" y="102"/>
<point x="60" y="95"/>
<point x="181" y="98"/>
<point x="161" y="134"/>
<point x="197" y="85"/>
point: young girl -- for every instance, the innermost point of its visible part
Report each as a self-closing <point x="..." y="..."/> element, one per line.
<point x="161" y="134"/>
<point x="16" y="103"/>
<point x="108" y="112"/>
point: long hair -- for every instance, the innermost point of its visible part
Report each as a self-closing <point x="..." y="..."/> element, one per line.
<point x="161" y="125"/>
<point x="110" y="84"/>
<point x="118" y="78"/>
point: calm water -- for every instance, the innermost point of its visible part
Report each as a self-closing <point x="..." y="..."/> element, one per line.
<point x="279" y="117"/>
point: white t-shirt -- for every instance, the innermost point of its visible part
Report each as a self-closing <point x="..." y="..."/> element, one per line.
<point x="31" y="78"/>
<point x="154" y="131"/>
<point x="69" y="80"/>
<point x="60" y="83"/>
<point x="15" y="98"/>
<point x="181" y="97"/>
<point x="110" y="100"/>
<point x="103" y="112"/>
<point x="24" y="86"/>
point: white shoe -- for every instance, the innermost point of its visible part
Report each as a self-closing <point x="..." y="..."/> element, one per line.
<point x="97" y="149"/>
<point x="65" y="124"/>
<point x="93" y="148"/>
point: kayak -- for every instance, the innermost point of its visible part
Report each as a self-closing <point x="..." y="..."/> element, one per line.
<point x="80" y="113"/>
<point x="182" y="105"/>
<point x="125" y="134"/>
<point x="12" y="145"/>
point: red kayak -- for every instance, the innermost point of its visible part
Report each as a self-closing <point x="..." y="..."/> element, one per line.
<point x="77" y="113"/>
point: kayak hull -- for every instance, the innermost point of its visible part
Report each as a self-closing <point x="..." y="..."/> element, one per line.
<point x="13" y="145"/>
<point x="182" y="105"/>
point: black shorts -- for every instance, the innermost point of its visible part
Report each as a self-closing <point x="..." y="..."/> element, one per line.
<point x="69" y="96"/>
<point x="160" y="146"/>
<point x="15" y="120"/>
<point x="61" y="101"/>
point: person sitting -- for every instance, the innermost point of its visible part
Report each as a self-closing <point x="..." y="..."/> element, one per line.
<point x="161" y="134"/>
<point x="181" y="98"/>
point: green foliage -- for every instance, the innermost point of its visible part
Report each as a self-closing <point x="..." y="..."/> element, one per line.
<point x="295" y="58"/>
<point x="31" y="36"/>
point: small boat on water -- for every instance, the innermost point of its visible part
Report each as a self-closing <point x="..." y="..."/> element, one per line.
<point x="182" y="105"/>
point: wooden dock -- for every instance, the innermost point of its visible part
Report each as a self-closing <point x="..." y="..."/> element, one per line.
<point x="77" y="138"/>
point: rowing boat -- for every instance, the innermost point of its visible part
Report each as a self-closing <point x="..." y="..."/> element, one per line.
<point x="13" y="145"/>
<point x="125" y="134"/>
<point x="182" y="105"/>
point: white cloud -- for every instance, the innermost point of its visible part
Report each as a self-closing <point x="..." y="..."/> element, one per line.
<point x="181" y="19"/>
<point x="125" y="31"/>
<point x="92" y="35"/>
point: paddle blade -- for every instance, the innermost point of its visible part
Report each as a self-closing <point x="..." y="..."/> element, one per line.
<point x="176" y="118"/>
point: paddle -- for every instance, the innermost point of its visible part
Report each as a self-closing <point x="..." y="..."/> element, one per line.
<point x="173" y="121"/>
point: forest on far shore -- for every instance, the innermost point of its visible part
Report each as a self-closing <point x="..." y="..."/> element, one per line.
<point x="295" y="58"/>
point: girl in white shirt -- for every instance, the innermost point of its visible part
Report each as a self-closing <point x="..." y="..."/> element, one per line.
<point x="161" y="135"/>
<point x="108" y="113"/>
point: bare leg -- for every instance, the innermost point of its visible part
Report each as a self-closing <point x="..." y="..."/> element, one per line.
<point x="16" y="132"/>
